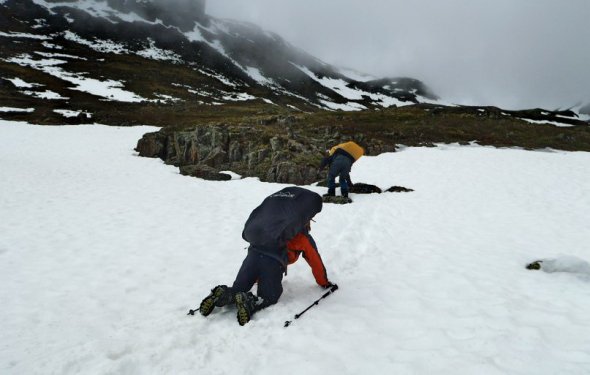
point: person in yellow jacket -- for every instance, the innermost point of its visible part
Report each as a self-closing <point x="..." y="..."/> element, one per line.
<point x="340" y="159"/>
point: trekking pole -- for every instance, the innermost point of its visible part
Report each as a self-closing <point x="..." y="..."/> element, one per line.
<point x="192" y="312"/>
<point x="332" y="290"/>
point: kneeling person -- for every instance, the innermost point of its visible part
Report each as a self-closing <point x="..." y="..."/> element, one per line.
<point x="278" y="233"/>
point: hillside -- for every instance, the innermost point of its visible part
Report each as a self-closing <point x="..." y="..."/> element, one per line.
<point x="130" y="63"/>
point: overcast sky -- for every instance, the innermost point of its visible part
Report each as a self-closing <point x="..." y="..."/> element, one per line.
<point x="508" y="53"/>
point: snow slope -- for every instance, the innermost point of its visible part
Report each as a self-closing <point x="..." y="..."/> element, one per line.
<point x="102" y="253"/>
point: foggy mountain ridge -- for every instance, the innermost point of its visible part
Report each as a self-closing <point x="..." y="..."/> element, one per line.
<point x="240" y="56"/>
<point x="180" y="13"/>
<point x="83" y="56"/>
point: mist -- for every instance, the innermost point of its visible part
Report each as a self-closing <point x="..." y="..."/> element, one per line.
<point x="508" y="53"/>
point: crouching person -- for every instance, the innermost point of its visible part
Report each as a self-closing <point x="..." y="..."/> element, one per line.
<point x="278" y="233"/>
<point x="340" y="159"/>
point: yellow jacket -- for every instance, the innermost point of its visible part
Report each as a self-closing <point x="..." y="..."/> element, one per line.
<point x="351" y="148"/>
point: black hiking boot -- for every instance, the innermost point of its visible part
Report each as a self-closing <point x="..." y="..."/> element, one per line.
<point x="219" y="296"/>
<point x="536" y="265"/>
<point x="330" y="193"/>
<point x="246" y="304"/>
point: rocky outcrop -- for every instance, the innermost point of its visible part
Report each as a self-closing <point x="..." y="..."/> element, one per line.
<point x="205" y="150"/>
<point x="275" y="154"/>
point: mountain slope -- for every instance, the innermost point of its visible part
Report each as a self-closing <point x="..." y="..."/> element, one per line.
<point x="138" y="52"/>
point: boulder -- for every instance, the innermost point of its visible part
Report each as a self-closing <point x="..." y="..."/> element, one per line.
<point x="398" y="189"/>
<point x="205" y="172"/>
<point x="362" y="188"/>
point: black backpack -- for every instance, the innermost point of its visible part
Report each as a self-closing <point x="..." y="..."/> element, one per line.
<point x="281" y="216"/>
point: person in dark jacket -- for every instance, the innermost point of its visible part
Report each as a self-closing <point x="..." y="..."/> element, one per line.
<point x="340" y="159"/>
<point x="278" y="233"/>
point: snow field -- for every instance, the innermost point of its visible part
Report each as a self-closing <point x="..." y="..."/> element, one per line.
<point x="102" y="253"/>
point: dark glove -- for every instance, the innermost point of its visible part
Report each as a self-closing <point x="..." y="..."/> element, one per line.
<point x="325" y="161"/>
<point x="328" y="285"/>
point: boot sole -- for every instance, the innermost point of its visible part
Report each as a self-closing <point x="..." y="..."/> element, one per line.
<point x="208" y="304"/>
<point x="243" y="316"/>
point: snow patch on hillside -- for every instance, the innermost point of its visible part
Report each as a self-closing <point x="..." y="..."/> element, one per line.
<point x="69" y="113"/>
<point x="341" y="87"/>
<point x="51" y="45"/>
<point x="155" y="53"/>
<point x="546" y="122"/>
<point x="60" y="55"/>
<point x="24" y="35"/>
<point x="14" y="109"/>
<point x="109" y="89"/>
<point x="350" y="106"/>
<point x="95" y="8"/>
<point x="195" y="35"/>
<point x="99" y="45"/>
<point x="356" y="75"/>
<point x="256" y="75"/>
<point x="19" y="83"/>
<point x="220" y="77"/>
<point x="337" y="85"/>
<point x="47" y="94"/>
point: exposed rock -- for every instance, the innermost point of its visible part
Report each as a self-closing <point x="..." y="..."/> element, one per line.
<point x="216" y="158"/>
<point x="291" y="172"/>
<point x="204" y="172"/>
<point x="398" y="189"/>
<point x="248" y="150"/>
<point x="362" y="188"/>
<point x="402" y="88"/>
<point x="152" y="145"/>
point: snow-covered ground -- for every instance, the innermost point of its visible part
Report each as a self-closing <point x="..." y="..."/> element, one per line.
<point x="102" y="253"/>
